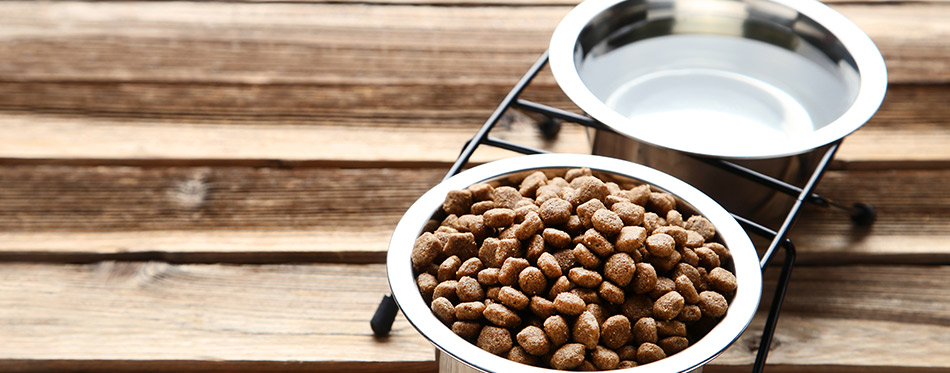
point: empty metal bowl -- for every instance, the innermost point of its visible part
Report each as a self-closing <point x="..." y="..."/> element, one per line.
<point x="458" y="355"/>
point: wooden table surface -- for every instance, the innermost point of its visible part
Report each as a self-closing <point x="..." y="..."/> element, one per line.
<point x="201" y="186"/>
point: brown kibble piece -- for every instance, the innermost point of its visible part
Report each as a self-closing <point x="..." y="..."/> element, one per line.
<point x="689" y="256"/>
<point x="444" y="310"/>
<point x="425" y="250"/>
<point x="685" y="287"/>
<point x="565" y="258"/>
<point x="631" y="214"/>
<point x="467" y="329"/>
<point x="557" y="330"/>
<point x="542" y="307"/>
<point x="712" y="304"/>
<point x="585" y="277"/>
<point x="558" y="239"/>
<point x="531" y="183"/>
<point x="508" y="275"/>
<point x="690" y="313"/>
<point x="549" y="266"/>
<point x="469" y="290"/>
<point x="707" y="257"/>
<point x="604" y="359"/>
<point x="719" y="249"/>
<point x="600" y="312"/>
<point x="532" y="281"/>
<point x="597" y="243"/>
<point x="507" y="248"/>
<point x="673" y="345"/>
<point x="460" y="244"/>
<point x="586" y="330"/>
<point x="694" y="239"/>
<point x="532" y="224"/>
<point x="561" y="285"/>
<point x="506" y="197"/>
<point x="555" y="211"/>
<point x="458" y="202"/>
<point x="535" y="248"/>
<point x="470" y="268"/>
<point x="620" y="268"/>
<point x="491" y="294"/>
<point x="513" y="298"/>
<point x="644" y="280"/>
<point x="446" y="289"/>
<point x="674" y="218"/>
<point x="625" y="364"/>
<point x="611" y="293"/>
<point x="631" y="238"/>
<point x="500" y="315"/>
<point x="615" y="331"/>
<point x="426" y="283"/>
<point x="671" y="328"/>
<point x="627" y="352"/>
<point x="652" y="221"/>
<point x="586" y="210"/>
<point x="481" y="191"/>
<point x="666" y="263"/>
<point x="663" y="285"/>
<point x="569" y="304"/>
<point x="495" y="340"/>
<point x="660" y="244"/>
<point x="519" y="355"/>
<point x="637" y="306"/>
<point x="474" y="224"/>
<point x="587" y="295"/>
<point x="668" y="306"/>
<point x="648" y="353"/>
<point x="691" y="272"/>
<point x="569" y="356"/>
<point x="644" y="330"/>
<point x="678" y="233"/>
<point x="702" y="226"/>
<point x="469" y="310"/>
<point x="488" y="276"/>
<point x="498" y="217"/>
<point x="662" y="203"/>
<point x="576" y="173"/>
<point x="479" y="208"/>
<point x="606" y="222"/>
<point x="534" y="341"/>
<point x="589" y="188"/>
<point x="449" y="267"/>
<point x="585" y="257"/>
<point x="722" y="280"/>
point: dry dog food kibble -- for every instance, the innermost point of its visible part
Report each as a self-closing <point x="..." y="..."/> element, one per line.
<point x="571" y="272"/>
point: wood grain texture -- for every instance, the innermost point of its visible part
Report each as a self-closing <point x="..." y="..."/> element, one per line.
<point x="247" y="214"/>
<point x="122" y="313"/>
<point x="334" y="43"/>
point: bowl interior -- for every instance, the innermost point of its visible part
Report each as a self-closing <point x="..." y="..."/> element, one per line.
<point x="713" y="76"/>
<point x="744" y="261"/>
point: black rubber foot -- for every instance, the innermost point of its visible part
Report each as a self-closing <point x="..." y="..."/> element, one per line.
<point x="382" y="321"/>
<point x="863" y="214"/>
<point x="549" y="127"/>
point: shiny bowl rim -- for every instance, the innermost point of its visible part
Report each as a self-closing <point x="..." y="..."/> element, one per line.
<point x="410" y="301"/>
<point x="871" y="69"/>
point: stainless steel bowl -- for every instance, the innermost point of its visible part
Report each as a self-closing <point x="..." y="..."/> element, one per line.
<point x="745" y="261"/>
<point x="743" y="79"/>
<point x="767" y="84"/>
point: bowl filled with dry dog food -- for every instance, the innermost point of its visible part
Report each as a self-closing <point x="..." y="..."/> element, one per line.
<point x="572" y="262"/>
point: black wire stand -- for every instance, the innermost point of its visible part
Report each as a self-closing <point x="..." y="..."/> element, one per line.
<point x="860" y="213"/>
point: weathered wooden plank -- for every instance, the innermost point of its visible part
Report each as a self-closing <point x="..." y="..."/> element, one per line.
<point x="338" y="43"/>
<point x="132" y="123"/>
<point x="199" y="317"/>
<point x="246" y="214"/>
